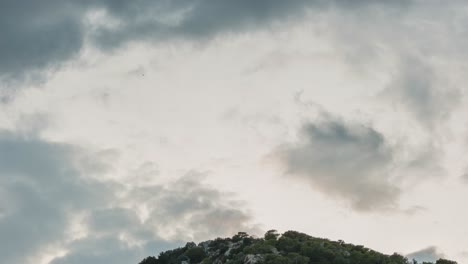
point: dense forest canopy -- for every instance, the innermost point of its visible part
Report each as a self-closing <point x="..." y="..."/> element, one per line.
<point x="289" y="248"/>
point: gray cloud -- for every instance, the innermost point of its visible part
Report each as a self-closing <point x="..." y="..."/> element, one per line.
<point x="183" y="210"/>
<point x="418" y="43"/>
<point x="37" y="37"/>
<point x="45" y="187"/>
<point x="416" y="88"/>
<point x="349" y="161"/>
<point x="188" y="203"/>
<point x="162" y="20"/>
<point x="191" y="19"/>
<point x="430" y="254"/>
<point x="40" y="187"/>
<point x="42" y="36"/>
<point x="111" y="249"/>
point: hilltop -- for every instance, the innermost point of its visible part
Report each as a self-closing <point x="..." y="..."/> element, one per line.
<point x="290" y="247"/>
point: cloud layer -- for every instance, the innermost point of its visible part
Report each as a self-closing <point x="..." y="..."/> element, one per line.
<point x="400" y="64"/>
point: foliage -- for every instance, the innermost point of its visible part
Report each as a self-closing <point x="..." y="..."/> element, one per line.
<point x="149" y="260"/>
<point x="271" y="235"/>
<point x="196" y="254"/>
<point x="445" y="261"/>
<point x="289" y="248"/>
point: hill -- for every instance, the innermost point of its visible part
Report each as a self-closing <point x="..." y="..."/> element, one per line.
<point x="289" y="248"/>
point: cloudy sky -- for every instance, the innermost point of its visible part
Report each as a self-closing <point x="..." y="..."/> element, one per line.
<point x="130" y="127"/>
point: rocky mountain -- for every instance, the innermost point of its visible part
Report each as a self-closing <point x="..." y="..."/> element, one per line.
<point x="289" y="248"/>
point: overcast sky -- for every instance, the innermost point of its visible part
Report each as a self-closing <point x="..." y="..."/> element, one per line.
<point x="130" y="127"/>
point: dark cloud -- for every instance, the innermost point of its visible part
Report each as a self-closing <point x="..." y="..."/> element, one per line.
<point x="45" y="187"/>
<point x="345" y="160"/>
<point x="41" y="36"/>
<point x="430" y="254"/>
<point x="37" y="37"/>
<point x="193" y="19"/>
<point x="205" y="18"/>
<point x="41" y="186"/>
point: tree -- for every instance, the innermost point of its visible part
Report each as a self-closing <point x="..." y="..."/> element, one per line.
<point x="271" y="235"/>
<point x="149" y="260"/>
<point x="240" y="236"/>
<point x="195" y="254"/>
<point x="445" y="261"/>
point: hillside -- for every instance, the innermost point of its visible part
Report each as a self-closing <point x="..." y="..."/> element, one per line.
<point x="289" y="248"/>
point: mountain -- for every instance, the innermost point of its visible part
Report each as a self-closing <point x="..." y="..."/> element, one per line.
<point x="289" y="248"/>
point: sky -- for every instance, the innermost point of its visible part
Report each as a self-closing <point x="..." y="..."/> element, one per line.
<point x="132" y="127"/>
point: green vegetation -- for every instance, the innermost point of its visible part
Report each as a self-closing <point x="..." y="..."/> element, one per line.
<point x="289" y="248"/>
